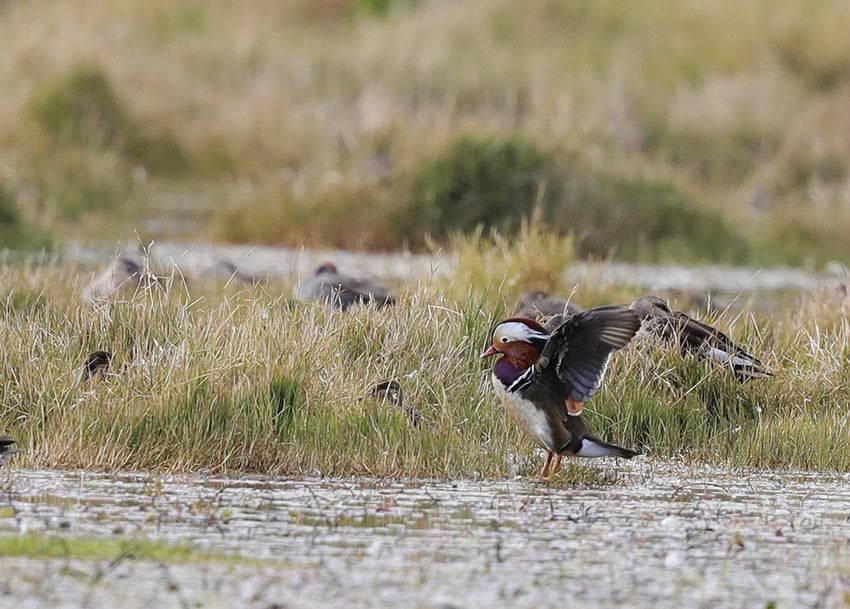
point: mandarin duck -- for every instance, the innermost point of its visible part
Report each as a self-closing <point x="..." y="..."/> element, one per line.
<point x="696" y="337"/>
<point x="334" y="289"/>
<point x="226" y="270"/>
<point x="544" y="378"/>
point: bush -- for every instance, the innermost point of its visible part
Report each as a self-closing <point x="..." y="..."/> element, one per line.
<point x="497" y="183"/>
<point x="638" y="218"/>
<point x="491" y="182"/>
<point x="380" y="8"/>
<point x="83" y="109"/>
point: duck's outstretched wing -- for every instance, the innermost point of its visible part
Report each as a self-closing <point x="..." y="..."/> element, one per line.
<point x="578" y="351"/>
<point x="712" y="343"/>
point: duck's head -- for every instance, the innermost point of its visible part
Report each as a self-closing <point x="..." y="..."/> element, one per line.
<point x="326" y="268"/>
<point x="519" y="339"/>
<point x="648" y="307"/>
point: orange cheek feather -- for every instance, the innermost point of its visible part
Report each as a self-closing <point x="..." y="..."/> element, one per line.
<point x="521" y="355"/>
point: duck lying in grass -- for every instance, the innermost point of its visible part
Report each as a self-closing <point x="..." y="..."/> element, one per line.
<point x="538" y="302"/>
<point x="696" y="337"/>
<point x="544" y="379"/>
<point x="334" y="289"/>
<point x="97" y="362"/>
<point x="123" y="275"/>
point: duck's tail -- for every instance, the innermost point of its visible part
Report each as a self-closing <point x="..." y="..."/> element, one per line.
<point x="745" y="366"/>
<point x="594" y="447"/>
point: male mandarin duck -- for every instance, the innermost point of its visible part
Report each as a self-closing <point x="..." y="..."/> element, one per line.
<point x="544" y="379"/>
<point x="334" y="289"/>
<point x="696" y="337"/>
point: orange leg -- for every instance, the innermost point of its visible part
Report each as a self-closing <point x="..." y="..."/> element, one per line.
<point x="544" y="473"/>
<point x="557" y="466"/>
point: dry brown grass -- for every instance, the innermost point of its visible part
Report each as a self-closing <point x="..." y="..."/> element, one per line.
<point x="242" y="380"/>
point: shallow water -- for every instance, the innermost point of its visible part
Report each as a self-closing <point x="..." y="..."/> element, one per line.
<point x="655" y="535"/>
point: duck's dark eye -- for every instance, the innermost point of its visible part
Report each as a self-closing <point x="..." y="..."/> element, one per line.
<point x="504" y="339"/>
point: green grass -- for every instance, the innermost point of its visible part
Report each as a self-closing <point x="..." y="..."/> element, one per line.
<point x="42" y="546"/>
<point x="241" y="381"/>
<point x="367" y="123"/>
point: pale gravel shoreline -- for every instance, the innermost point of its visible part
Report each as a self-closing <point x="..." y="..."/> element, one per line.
<point x="193" y="258"/>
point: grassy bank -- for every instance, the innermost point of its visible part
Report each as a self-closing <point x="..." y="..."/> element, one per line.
<point x="367" y="124"/>
<point x="230" y="381"/>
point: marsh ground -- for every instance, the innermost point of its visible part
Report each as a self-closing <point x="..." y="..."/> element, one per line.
<point x="646" y="533"/>
<point x="222" y="382"/>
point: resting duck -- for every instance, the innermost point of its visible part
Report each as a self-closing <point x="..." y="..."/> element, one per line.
<point x="334" y="289"/>
<point x="97" y="362"/>
<point x="123" y="275"/>
<point x="549" y="310"/>
<point x="696" y="337"/>
<point x="544" y="378"/>
<point x="390" y="391"/>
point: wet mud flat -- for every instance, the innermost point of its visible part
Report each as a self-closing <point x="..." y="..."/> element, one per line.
<point x="646" y="534"/>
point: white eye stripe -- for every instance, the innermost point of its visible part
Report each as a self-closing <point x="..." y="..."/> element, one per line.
<point x="516" y="331"/>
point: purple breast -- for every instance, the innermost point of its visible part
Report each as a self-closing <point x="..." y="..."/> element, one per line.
<point x="506" y="372"/>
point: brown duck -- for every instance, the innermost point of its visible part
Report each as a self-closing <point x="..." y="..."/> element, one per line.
<point x="551" y="311"/>
<point x="334" y="289"/>
<point x="696" y="337"/>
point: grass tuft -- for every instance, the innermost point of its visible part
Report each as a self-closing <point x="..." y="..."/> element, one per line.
<point x="15" y="231"/>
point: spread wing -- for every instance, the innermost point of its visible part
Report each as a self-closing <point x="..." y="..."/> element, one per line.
<point x="706" y="340"/>
<point x="577" y="352"/>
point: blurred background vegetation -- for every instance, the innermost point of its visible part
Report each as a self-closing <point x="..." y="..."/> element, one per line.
<point x="659" y="130"/>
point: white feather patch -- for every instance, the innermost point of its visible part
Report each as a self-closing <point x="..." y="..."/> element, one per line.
<point x="591" y="449"/>
<point x="722" y="356"/>
<point x="532" y="419"/>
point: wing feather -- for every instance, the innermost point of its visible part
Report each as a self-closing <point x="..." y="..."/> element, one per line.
<point x="578" y="351"/>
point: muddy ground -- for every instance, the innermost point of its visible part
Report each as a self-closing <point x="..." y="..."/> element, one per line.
<point x="648" y="534"/>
